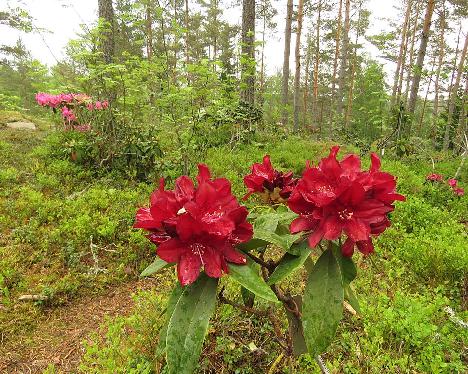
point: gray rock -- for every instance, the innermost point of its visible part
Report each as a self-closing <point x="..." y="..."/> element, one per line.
<point x="21" y="125"/>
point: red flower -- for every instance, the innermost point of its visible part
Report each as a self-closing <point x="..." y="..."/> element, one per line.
<point x="452" y="182"/>
<point x="434" y="177"/>
<point x="337" y="196"/>
<point x="196" y="227"/>
<point x="275" y="184"/>
<point x="458" y="191"/>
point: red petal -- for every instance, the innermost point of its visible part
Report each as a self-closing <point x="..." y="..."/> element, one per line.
<point x="171" y="250"/>
<point x="186" y="227"/>
<point x="232" y="255"/>
<point x="332" y="228"/>
<point x="203" y="174"/>
<point x="302" y="224"/>
<point x="315" y="238"/>
<point x="357" y="230"/>
<point x="184" y="189"/>
<point x="243" y="233"/>
<point x="347" y="249"/>
<point x="188" y="268"/>
<point x="212" y="263"/>
<point x="144" y="220"/>
<point x="351" y="164"/>
<point x="366" y="246"/>
<point x="375" y="163"/>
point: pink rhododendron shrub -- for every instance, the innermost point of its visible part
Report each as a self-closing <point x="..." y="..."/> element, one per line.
<point x="314" y="222"/>
<point x="451" y="183"/>
<point x="73" y="108"/>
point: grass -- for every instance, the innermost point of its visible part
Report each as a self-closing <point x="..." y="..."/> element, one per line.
<point x="66" y="234"/>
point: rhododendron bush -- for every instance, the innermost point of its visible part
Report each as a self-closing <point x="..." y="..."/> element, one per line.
<point x="200" y="228"/>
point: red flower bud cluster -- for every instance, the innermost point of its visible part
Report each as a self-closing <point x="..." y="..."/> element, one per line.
<point x="196" y="226"/>
<point x="337" y="196"/>
<point x="271" y="184"/>
<point x="452" y="183"/>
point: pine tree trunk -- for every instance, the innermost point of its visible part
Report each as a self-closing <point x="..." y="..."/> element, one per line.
<point x="404" y="30"/>
<point x="287" y="52"/>
<point x="317" y="62"/>
<point x="248" y="52"/>
<point x="344" y="62"/>
<point x="262" y="66"/>
<point x="297" y="75"/>
<point x="431" y="74"/>
<point x="420" y="60"/>
<point x="187" y="58"/>
<point x="106" y="13"/>
<point x="349" y="107"/>
<point x="441" y="48"/>
<point x="306" y="83"/>
<point x="149" y="32"/>
<point x="411" y="54"/>
<point x="454" y="94"/>
<point x="335" y="62"/>
<point x="462" y="130"/>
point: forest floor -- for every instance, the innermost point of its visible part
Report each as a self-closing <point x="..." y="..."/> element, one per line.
<point x="59" y="333"/>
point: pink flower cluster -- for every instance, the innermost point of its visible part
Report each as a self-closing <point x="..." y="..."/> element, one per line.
<point x="67" y="103"/>
<point x="450" y="182"/>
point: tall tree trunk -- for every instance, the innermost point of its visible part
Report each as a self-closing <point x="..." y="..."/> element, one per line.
<point x="297" y="75"/>
<point x="187" y="58"/>
<point x="306" y="82"/>
<point x="455" y="59"/>
<point x="262" y="65"/>
<point x="441" y="48"/>
<point x="349" y="107"/>
<point x="335" y="61"/>
<point x="317" y="62"/>
<point x="248" y="52"/>
<point x="106" y="13"/>
<point x="420" y="60"/>
<point x="287" y="52"/>
<point x="454" y="94"/>
<point x="344" y="62"/>
<point x="462" y="133"/>
<point x="411" y="54"/>
<point x="431" y="74"/>
<point x="404" y="30"/>
<point x="149" y="32"/>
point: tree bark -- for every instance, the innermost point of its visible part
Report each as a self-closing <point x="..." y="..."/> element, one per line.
<point x="420" y="60"/>
<point x="435" y="109"/>
<point x="287" y="52"/>
<point x="306" y="82"/>
<point x="335" y="61"/>
<point x="411" y="54"/>
<point x="248" y="52"/>
<point x="349" y="106"/>
<point x="297" y="75"/>
<point x="462" y="130"/>
<point x="454" y="94"/>
<point x="187" y="35"/>
<point x="421" y="117"/>
<point x="106" y="14"/>
<point x="344" y="62"/>
<point x="317" y="62"/>
<point x="404" y="30"/>
<point x="149" y="32"/>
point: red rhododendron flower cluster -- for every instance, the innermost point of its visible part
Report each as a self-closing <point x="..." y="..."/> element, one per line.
<point x="452" y="183"/>
<point x="337" y="196"/>
<point x="271" y="184"/>
<point x="196" y="226"/>
<point x="434" y="177"/>
<point x="66" y="103"/>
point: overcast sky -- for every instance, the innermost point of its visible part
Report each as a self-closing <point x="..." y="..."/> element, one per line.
<point x="63" y="19"/>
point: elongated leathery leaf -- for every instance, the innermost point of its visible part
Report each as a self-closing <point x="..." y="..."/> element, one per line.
<point x="248" y="276"/>
<point x="322" y="303"/>
<point x="157" y="265"/>
<point x="290" y="263"/>
<point x="171" y="304"/>
<point x="189" y="324"/>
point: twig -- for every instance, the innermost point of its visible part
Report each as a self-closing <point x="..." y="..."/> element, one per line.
<point x="321" y="364"/>
<point x="33" y="298"/>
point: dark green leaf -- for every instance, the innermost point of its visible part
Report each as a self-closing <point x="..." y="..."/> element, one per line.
<point x="323" y="303"/>
<point x="352" y="299"/>
<point x="346" y="264"/>
<point x="252" y="244"/>
<point x="157" y="265"/>
<point x="248" y="276"/>
<point x="295" y="328"/>
<point x="171" y="303"/>
<point x="189" y="324"/>
<point x="289" y="263"/>
<point x="247" y="297"/>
